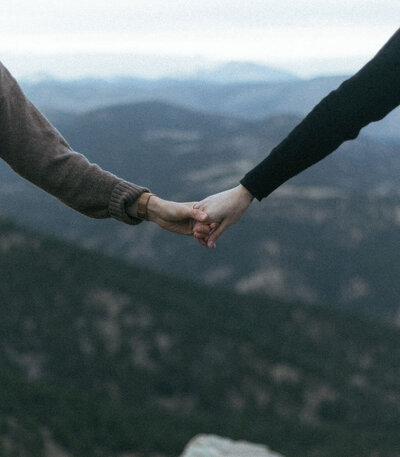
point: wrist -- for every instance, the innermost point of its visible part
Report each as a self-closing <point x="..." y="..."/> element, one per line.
<point x="153" y="208"/>
<point x="139" y="209"/>
<point x="245" y="195"/>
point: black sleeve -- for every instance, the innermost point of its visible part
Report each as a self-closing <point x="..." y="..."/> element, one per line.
<point x="366" y="97"/>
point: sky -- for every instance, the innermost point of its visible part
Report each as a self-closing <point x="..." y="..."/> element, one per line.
<point x="153" y="38"/>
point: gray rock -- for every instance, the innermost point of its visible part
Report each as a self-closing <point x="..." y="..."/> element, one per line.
<point x="215" y="446"/>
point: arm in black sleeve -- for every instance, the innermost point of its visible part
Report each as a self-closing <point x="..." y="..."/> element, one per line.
<point x="366" y="97"/>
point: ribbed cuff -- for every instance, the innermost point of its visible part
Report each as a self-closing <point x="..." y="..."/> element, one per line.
<point x="253" y="190"/>
<point x="125" y="194"/>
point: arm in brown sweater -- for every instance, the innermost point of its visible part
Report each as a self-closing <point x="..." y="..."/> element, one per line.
<point x="36" y="151"/>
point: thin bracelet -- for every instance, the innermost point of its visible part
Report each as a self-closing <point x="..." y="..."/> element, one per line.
<point x="142" y="205"/>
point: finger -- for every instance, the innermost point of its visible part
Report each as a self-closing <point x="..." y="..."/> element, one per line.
<point x="198" y="215"/>
<point x="186" y="211"/>
<point x="199" y="227"/>
<point x="202" y="228"/>
<point x="199" y="235"/>
<point x="216" y="234"/>
<point x="202" y="242"/>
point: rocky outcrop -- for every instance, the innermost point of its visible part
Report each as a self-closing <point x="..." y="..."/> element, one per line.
<point x="215" y="446"/>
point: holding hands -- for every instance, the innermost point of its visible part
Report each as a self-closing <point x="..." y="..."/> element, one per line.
<point x="223" y="210"/>
<point x="175" y="217"/>
<point x="205" y="220"/>
<point x="172" y="216"/>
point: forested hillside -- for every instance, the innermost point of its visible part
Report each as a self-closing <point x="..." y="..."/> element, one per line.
<point x="326" y="236"/>
<point x="102" y="358"/>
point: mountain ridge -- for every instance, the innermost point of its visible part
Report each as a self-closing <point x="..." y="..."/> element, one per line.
<point x="348" y="202"/>
<point x="243" y="100"/>
<point x="244" y="72"/>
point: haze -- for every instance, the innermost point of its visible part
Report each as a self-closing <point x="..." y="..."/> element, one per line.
<point x="153" y="38"/>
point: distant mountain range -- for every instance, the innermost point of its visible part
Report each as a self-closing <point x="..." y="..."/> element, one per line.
<point x="99" y="358"/>
<point x="244" y="72"/>
<point x="254" y="100"/>
<point x="327" y="236"/>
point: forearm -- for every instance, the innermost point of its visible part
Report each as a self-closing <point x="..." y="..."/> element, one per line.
<point x="36" y="150"/>
<point x="366" y="97"/>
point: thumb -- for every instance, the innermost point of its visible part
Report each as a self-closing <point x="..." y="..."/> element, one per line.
<point x="198" y="215"/>
<point x="187" y="211"/>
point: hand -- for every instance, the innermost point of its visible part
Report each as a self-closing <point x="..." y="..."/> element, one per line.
<point x="226" y="208"/>
<point x="176" y="217"/>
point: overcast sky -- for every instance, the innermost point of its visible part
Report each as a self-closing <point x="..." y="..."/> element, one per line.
<point x="155" y="37"/>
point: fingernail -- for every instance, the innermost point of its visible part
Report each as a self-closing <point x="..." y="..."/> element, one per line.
<point x="203" y="216"/>
<point x="211" y="244"/>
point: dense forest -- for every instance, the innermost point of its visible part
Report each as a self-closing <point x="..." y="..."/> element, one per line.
<point x="101" y="358"/>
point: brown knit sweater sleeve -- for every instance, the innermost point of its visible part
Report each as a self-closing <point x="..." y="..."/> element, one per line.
<point x="36" y="151"/>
